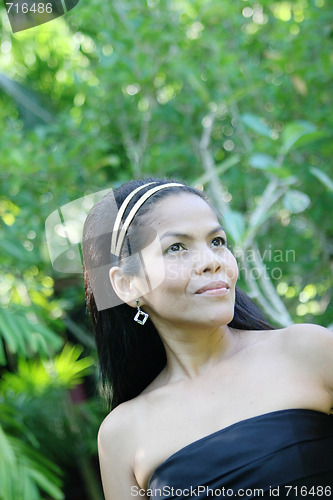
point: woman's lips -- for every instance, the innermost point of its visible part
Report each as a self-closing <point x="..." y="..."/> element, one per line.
<point x="215" y="288"/>
<point x="217" y="291"/>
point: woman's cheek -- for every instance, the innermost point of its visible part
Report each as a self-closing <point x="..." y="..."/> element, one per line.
<point x="155" y="271"/>
<point x="174" y="272"/>
<point x="232" y="269"/>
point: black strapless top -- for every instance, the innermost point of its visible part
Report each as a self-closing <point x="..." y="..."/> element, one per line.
<point x="282" y="454"/>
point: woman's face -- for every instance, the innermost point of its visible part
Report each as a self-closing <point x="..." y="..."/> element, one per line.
<point x="194" y="255"/>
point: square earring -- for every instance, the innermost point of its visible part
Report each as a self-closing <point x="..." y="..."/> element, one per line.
<point x="144" y="316"/>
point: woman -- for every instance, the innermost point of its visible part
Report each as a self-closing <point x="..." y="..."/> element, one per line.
<point x="207" y="398"/>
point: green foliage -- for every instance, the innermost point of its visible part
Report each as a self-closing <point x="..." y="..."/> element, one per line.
<point x="38" y="376"/>
<point x="39" y="421"/>
<point x="232" y="96"/>
<point x="256" y="124"/>
<point x="25" y="337"/>
<point x="24" y="472"/>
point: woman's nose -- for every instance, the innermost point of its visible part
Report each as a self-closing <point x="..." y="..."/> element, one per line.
<point x="207" y="262"/>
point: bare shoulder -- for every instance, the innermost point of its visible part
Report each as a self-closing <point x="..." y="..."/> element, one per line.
<point x="307" y="337"/>
<point x="114" y="424"/>
<point x="116" y="449"/>
<point x="311" y="345"/>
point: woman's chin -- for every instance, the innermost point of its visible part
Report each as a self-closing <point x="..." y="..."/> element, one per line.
<point x="214" y="320"/>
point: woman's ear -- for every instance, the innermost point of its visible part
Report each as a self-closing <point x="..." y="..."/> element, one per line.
<point x="124" y="286"/>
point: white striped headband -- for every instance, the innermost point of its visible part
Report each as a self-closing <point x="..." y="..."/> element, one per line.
<point x="118" y="237"/>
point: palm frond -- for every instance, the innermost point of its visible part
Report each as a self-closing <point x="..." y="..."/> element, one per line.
<point x="37" y="474"/>
<point x="24" y="338"/>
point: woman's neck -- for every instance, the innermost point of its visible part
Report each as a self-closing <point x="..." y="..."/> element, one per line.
<point x="192" y="351"/>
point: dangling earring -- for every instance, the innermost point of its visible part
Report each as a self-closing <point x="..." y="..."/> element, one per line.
<point x="145" y="316"/>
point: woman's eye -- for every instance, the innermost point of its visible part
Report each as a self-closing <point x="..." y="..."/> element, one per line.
<point x="219" y="241"/>
<point x="175" y="247"/>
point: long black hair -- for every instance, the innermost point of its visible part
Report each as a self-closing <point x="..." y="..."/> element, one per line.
<point x="131" y="355"/>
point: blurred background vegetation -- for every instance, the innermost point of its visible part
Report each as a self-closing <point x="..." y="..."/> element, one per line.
<point x="234" y="97"/>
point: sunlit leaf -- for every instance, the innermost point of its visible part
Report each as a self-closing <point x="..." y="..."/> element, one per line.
<point x="256" y="123"/>
<point x="262" y="161"/>
<point x="296" y="201"/>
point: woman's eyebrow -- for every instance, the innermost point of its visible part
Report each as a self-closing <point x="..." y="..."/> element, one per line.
<point x="190" y="237"/>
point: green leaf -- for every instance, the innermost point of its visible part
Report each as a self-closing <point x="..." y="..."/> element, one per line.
<point x="220" y="169"/>
<point x="15" y="331"/>
<point x="294" y="131"/>
<point x="255" y="123"/>
<point x="234" y="224"/>
<point x="3" y="360"/>
<point x="69" y="368"/>
<point x="25" y="338"/>
<point x="34" y="471"/>
<point x="262" y="161"/>
<point x="296" y="201"/>
<point x="280" y="172"/>
<point x="7" y="334"/>
<point x="315" y="136"/>
<point x="323" y="177"/>
<point x="25" y="98"/>
<point x="46" y="484"/>
<point x="6" y="449"/>
<point x="53" y="341"/>
<point x="29" y="487"/>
